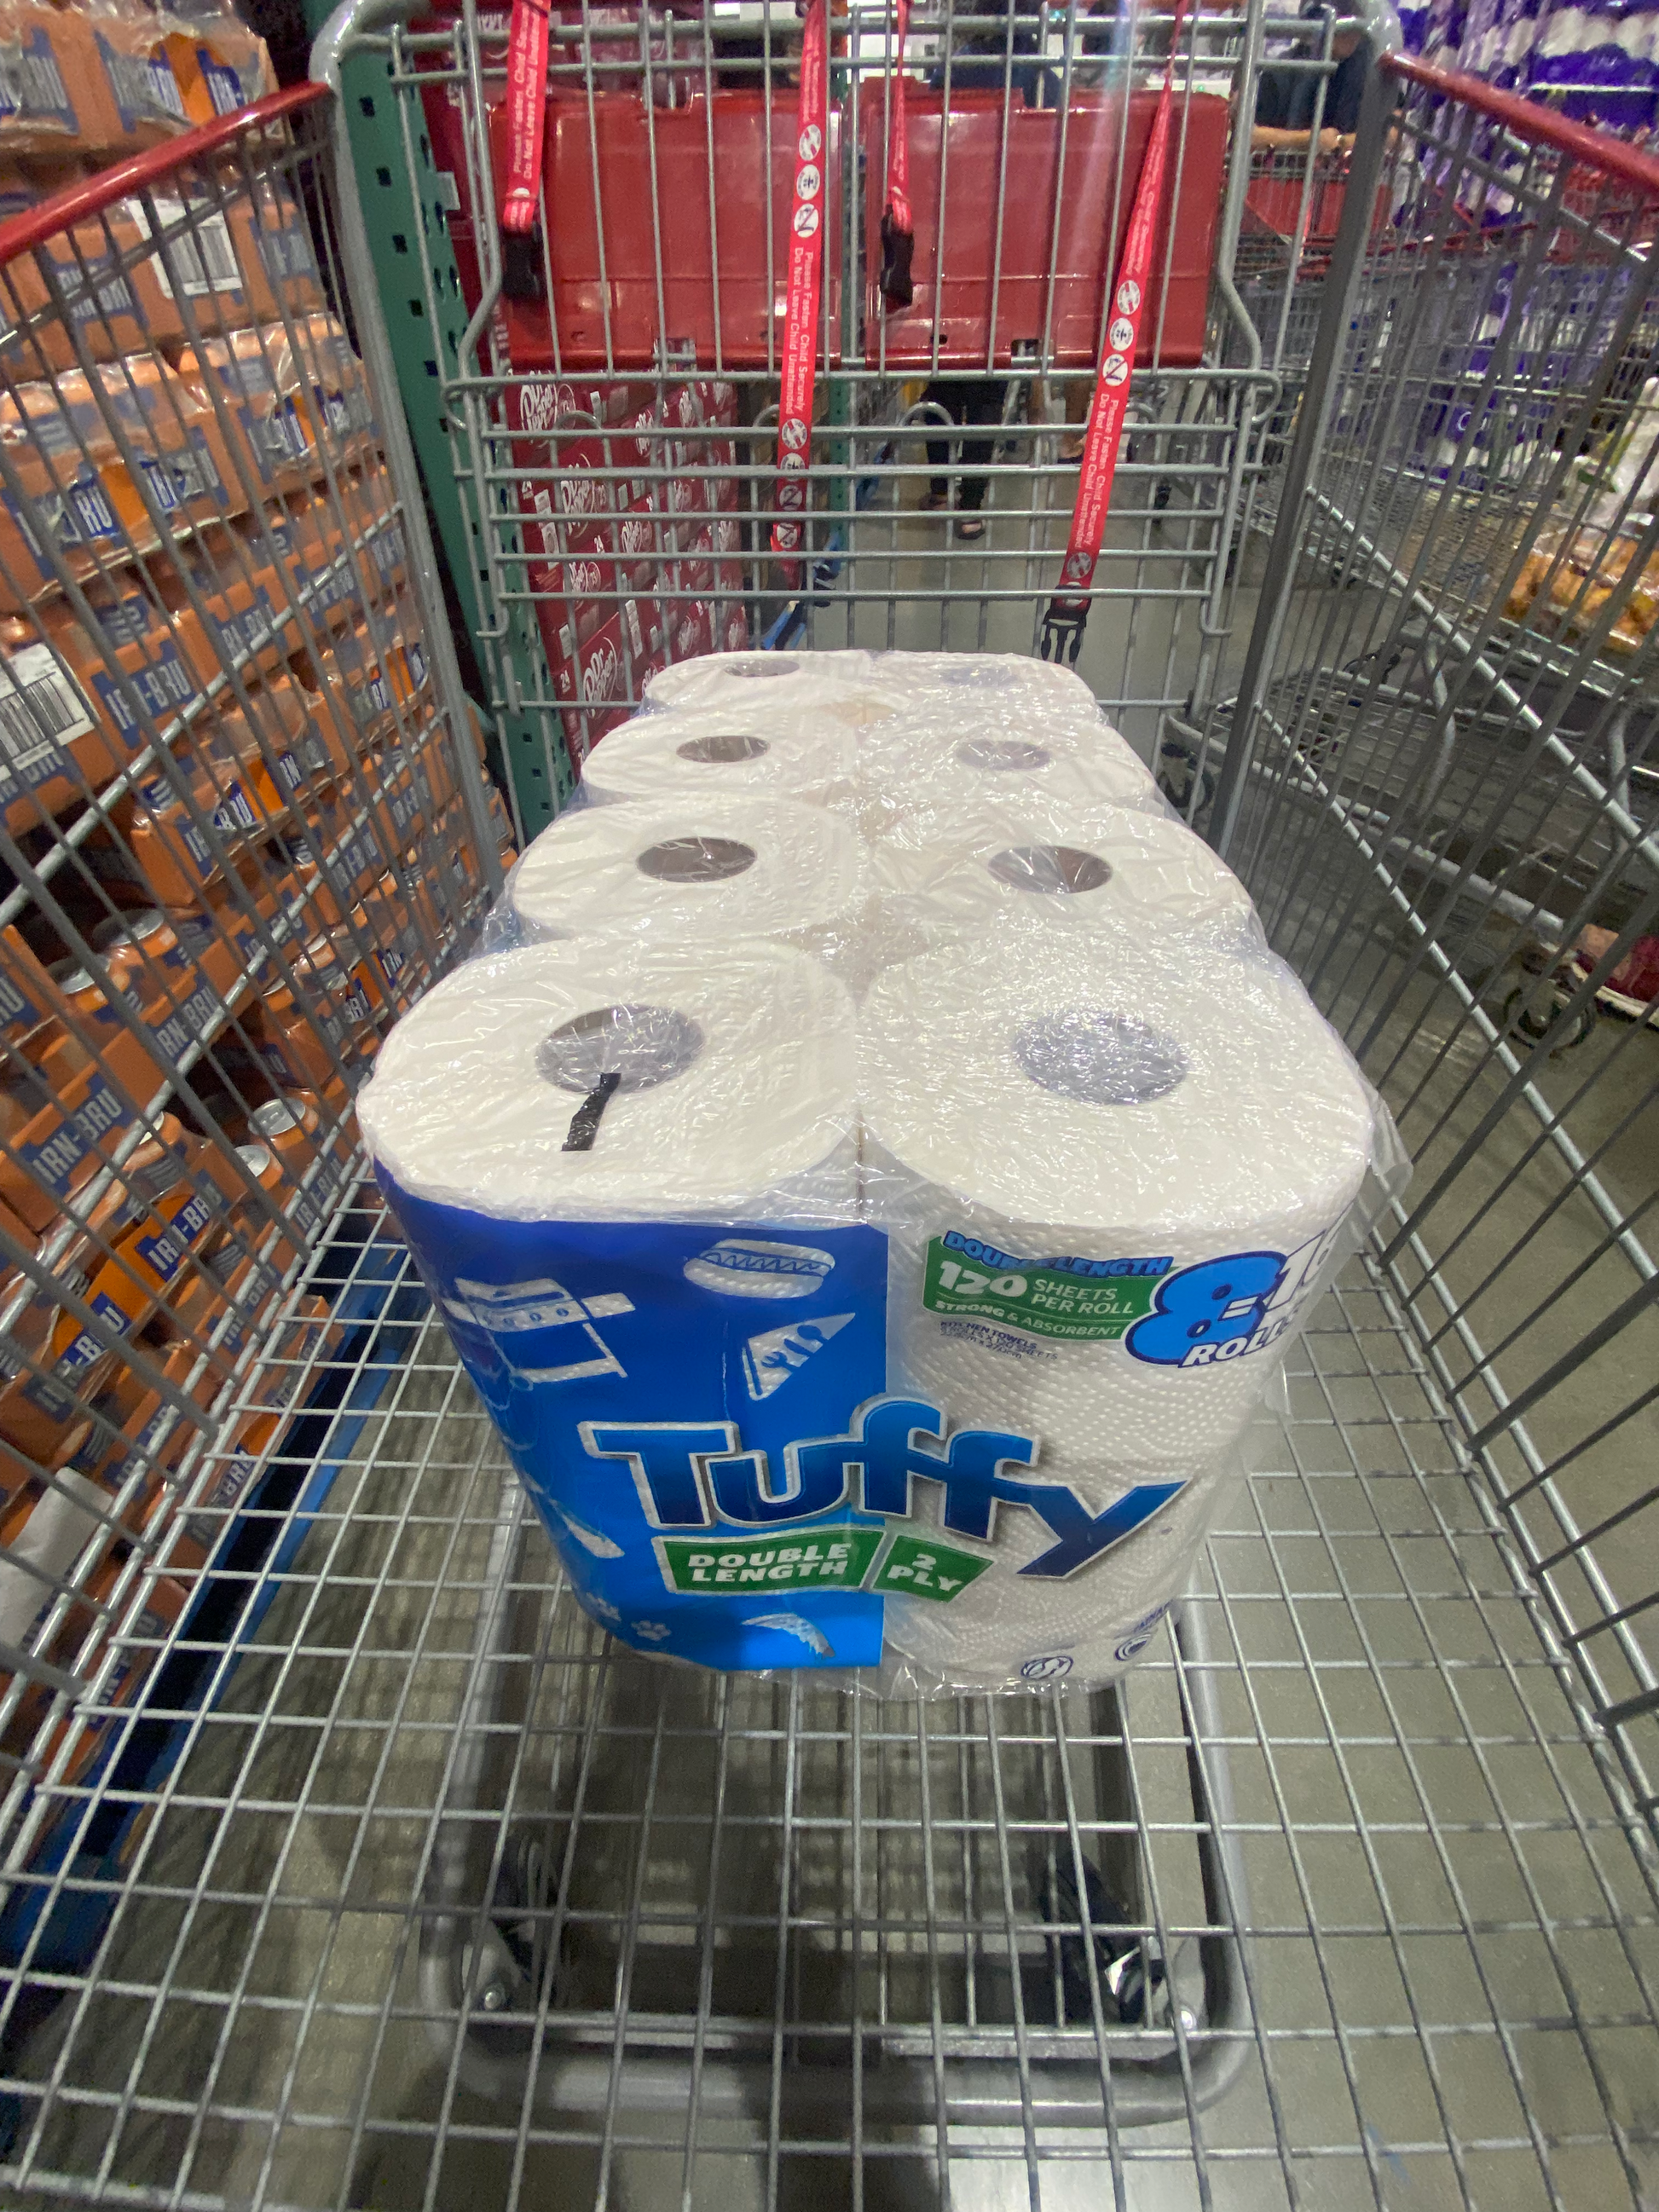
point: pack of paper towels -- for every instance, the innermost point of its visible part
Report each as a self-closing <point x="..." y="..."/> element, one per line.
<point x="918" y="1322"/>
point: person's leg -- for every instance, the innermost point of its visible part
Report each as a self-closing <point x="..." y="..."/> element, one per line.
<point x="939" y="449"/>
<point x="981" y="404"/>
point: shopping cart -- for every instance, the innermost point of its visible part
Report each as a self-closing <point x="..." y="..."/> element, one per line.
<point x="404" y="1887"/>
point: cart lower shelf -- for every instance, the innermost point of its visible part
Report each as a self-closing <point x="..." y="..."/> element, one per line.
<point x="437" y="1898"/>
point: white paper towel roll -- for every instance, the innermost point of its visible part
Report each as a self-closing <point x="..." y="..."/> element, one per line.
<point x="731" y="751"/>
<point x="771" y="683"/>
<point x="1089" y="867"/>
<point x="737" y="1085"/>
<point x="991" y="1085"/>
<point x="693" y="869"/>
<point x="934" y="774"/>
<point x="1082" y="1107"/>
<point x="1002" y="682"/>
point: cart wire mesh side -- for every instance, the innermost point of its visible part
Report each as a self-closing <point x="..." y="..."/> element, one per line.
<point x="243" y="823"/>
<point x="1439" y="780"/>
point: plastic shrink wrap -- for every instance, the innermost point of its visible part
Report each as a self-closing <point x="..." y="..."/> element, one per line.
<point x="743" y="751"/>
<point x="694" y="870"/>
<point x="924" y="1333"/>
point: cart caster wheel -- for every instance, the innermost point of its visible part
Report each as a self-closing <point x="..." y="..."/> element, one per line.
<point x="1177" y="766"/>
<point x="510" y="1972"/>
<point x="1541" y="1026"/>
<point x="521" y="1894"/>
<point x="1130" y="1969"/>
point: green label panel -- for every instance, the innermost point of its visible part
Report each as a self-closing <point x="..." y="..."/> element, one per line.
<point x="810" y="1558"/>
<point x="1045" y="1301"/>
<point x="917" y="1568"/>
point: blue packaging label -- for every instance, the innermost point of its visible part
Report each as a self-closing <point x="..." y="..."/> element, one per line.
<point x="56" y="1158"/>
<point x="113" y="295"/>
<point x="223" y="84"/>
<point x="18" y="1009"/>
<point x="652" y="1389"/>
<point x="32" y="87"/>
<point x="277" y="440"/>
<point x="285" y="245"/>
<point x="144" y="88"/>
<point x="240" y="635"/>
<point x="164" y="683"/>
<point x="336" y="587"/>
<point x="388" y="549"/>
<point x="702" y="1418"/>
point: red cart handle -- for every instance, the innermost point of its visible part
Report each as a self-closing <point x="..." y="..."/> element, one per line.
<point x="801" y="325"/>
<point x="1063" y="626"/>
<point x="898" y="230"/>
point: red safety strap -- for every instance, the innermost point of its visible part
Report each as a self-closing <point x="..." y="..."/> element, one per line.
<point x="800" y="322"/>
<point x="1063" y="626"/>
<point x="898" y="230"/>
<point x="526" y="127"/>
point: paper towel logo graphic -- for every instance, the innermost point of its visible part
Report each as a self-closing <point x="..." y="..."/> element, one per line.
<point x="1049" y="1668"/>
<point x="1077" y="1300"/>
<point x="1226" y="1308"/>
<point x="795" y="1625"/>
<point x="770" y="1359"/>
<point x="518" y="1309"/>
<point x="690" y="1475"/>
<point x="747" y="1267"/>
<point x="1141" y="1635"/>
<point x="598" y="1546"/>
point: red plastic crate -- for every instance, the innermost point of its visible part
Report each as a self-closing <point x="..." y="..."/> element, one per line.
<point x="618" y="148"/>
<point x="959" y="295"/>
<point x="1272" y="204"/>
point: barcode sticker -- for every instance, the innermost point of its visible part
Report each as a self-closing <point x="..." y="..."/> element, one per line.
<point x="204" y="256"/>
<point x="41" y="709"/>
